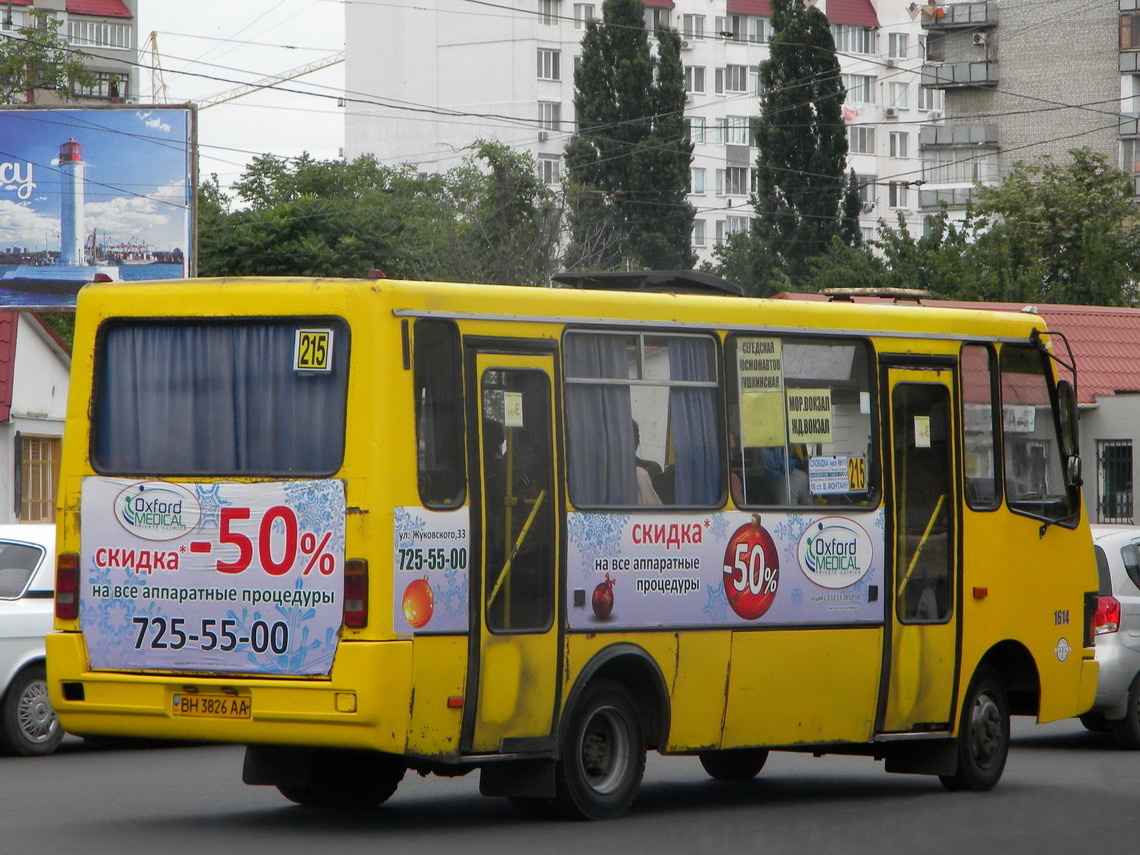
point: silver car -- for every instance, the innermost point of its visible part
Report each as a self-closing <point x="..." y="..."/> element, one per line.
<point x="28" y="724"/>
<point x="1117" y="632"/>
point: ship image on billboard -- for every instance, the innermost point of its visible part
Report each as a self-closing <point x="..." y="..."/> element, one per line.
<point x="93" y="195"/>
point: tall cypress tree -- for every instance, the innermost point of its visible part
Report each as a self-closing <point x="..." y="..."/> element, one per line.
<point x="803" y="195"/>
<point x="628" y="164"/>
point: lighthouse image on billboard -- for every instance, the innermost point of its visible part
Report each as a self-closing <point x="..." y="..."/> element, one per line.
<point x="71" y="269"/>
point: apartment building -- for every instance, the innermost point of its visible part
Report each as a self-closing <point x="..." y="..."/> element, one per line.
<point x="104" y="31"/>
<point x="439" y="74"/>
<point x="1023" y="79"/>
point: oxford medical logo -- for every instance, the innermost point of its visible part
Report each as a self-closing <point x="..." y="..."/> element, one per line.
<point x="157" y="510"/>
<point x="835" y="552"/>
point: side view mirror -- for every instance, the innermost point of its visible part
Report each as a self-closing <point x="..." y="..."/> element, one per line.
<point x="1070" y="418"/>
<point x="1073" y="476"/>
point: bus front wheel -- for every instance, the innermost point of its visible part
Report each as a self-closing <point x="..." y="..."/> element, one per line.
<point x="602" y="754"/>
<point x="350" y="780"/>
<point x="983" y="735"/>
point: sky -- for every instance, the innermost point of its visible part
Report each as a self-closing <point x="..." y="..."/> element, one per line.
<point x="209" y="47"/>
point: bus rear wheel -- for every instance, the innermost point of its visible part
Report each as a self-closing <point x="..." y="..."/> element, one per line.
<point x="602" y="754"/>
<point x="738" y="764"/>
<point x="983" y="735"/>
<point x="348" y="780"/>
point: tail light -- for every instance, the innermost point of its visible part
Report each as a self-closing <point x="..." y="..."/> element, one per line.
<point x="356" y="593"/>
<point x="67" y="586"/>
<point x="1107" y="616"/>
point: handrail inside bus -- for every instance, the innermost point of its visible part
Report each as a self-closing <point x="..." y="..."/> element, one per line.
<point x="515" y="549"/>
<point x="922" y="543"/>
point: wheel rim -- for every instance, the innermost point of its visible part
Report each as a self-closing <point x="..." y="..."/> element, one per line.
<point x="37" y="720"/>
<point x="986" y="732"/>
<point x="603" y="750"/>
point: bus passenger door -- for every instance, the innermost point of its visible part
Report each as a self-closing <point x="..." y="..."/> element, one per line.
<point x="924" y="520"/>
<point x="513" y="674"/>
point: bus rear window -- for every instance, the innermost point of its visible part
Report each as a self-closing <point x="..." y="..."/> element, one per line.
<point x="261" y="397"/>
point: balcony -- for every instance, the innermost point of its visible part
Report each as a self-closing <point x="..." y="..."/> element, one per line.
<point x="951" y="197"/>
<point x="946" y="136"/>
<point x="956" y="75"/>
<point x="1130" y="124"/>
<point x="958" y="15"/>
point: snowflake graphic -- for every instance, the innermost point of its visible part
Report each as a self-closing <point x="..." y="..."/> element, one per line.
<point x="319" y="506"/>
<point x="596" y="534"/>
<point x="211" y="502"/>
<point x="797" y="597"/>
<point x="716" y="603"/>
<point x="407" y="527"/>
<point x="719" y="528"/>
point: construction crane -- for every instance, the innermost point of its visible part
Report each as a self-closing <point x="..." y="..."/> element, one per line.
<point x="271" y="81"/>
<point x="157" y="82"/>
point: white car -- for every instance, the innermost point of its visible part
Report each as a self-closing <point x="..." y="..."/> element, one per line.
<point x="28" y="724"/>
<point x="1117" y="632"/>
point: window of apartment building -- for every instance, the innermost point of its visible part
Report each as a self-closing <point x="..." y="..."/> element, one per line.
<point x="549" y="11"/>
<point x="850" y="38"/>
<point x="900" y="95"/>
<point x="583" y="12"/>
<point x="696" y="129"/>
<point x="107" y="85"/>
<point x="866" y="190"/>
<point x="655" y="18"/>
<point x="38" y="477"/>
<point x="693" y="26"/>
<point x="860" y="88"/>
<point x="719" y="182"/>
<point x="698" y="232"/>
<point x="754" y="80"/>
<point x="935" y="47"/>
<point x="732" y="78"/>
<point x="549" y="64"/>
<point x="737" y="177"/>
<point x="694" y="78"/>
<point x="867" y="233"/>
<point x="724" y="28"/>
<point x="1114" y="481"/>
<point x="736" y="130"/>
<point x="1130" y="31"/>
<point x="550" y="168"/>
<point x="1130" y="161"/>
<point x="929" y="98"/>
<point x="718" y="227"/>
<point x="896" y="194"/>
<point x="959" y="166"/>
<point x="550" y="115"/>
<point x="696" y="180"/>
<point x="753" y="179"/>
<point x="897" y="45"/>
<point x="735" y="225"/>
<point x="97" y="33"/>
<point x="757" y="29"/>
<point x="861" y="139"/>
<point x="899" y="141"/>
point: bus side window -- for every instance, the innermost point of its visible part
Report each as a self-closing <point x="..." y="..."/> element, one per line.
<point x="439" y="414"/>
<point x="979" y="427"/>
<point x="801" y="428"/>
<point x="1034" y="474"/>
<point x="642" y="419"/>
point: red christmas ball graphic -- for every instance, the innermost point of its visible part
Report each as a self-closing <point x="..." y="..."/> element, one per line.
<point x="751" y="570"/>
<point x="419" y="603"/>
<point x="603" y="600"/>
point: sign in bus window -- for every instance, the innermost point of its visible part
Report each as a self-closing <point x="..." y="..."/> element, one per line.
<point x="312" y="350"/>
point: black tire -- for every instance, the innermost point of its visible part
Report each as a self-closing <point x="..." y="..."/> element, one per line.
<point x="602" y="754"/>
<point x="738" y="764"/>
<point x="28" y="724"/>
<point x="1094" y="722"/>
<point x="1126" y="732"/>
<point x="983" y="735"/>
<point x="347" y="780"/>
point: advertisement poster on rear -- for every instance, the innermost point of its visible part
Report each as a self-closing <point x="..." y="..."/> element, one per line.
<point x="93" y="195"/>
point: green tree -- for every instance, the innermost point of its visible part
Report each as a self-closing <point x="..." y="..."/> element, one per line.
<point x="35" y="59"/>
<point x="628" y="163"/>
<point x="803" y="197"/>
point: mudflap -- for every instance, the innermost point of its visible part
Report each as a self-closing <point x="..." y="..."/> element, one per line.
<point x="519" y="778"/>
<point x="933" y="757"/>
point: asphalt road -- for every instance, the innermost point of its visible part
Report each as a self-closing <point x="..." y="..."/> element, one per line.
<point x="1064" y="791"/>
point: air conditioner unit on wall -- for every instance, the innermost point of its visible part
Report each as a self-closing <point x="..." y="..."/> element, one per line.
<point x="891" y="62"/>
<point x="980" y="38"/>
<point x="891" y="112"/>
<point x="543" y="136"/>
<point x="686" y="44"/>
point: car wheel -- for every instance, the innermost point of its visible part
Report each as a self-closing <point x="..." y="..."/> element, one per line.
<point x="742" y="764"/>
<point x="1127" y="730"/>
<point x="602" y="754"/>
<point x="983" y="735"/>
<point x="28" y="724"/>
<point x="347" y="780"/>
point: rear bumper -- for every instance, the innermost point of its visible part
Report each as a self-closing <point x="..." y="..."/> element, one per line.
<point x="370" y="712"/>
<point x="1118" y="668"/>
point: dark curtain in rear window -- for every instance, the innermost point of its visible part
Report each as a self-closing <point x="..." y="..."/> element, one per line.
<point x="217" y="398"/>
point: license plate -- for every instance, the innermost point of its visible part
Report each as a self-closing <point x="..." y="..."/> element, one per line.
<point x="211" y="706"/>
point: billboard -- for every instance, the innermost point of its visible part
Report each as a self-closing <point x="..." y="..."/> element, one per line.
<point x="93" y="195"/>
